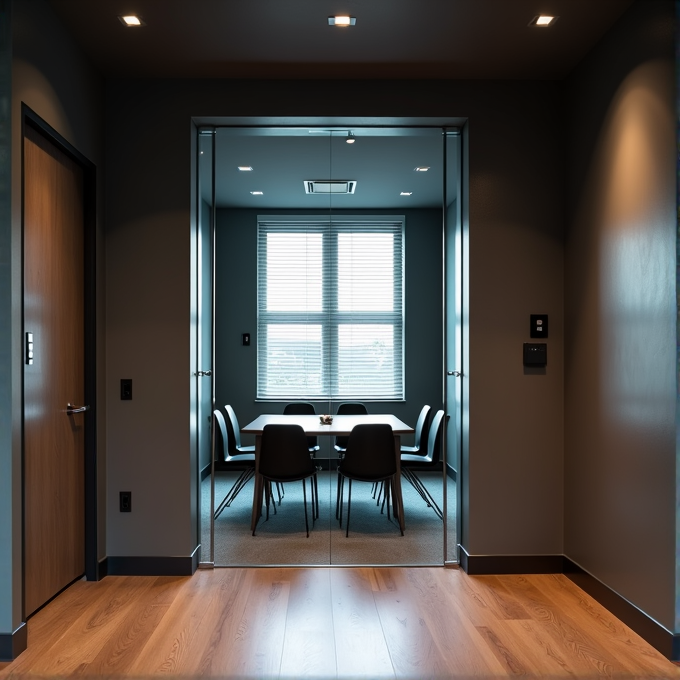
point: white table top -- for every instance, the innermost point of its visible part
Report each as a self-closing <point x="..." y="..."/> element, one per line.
<point x="342" y="424"/>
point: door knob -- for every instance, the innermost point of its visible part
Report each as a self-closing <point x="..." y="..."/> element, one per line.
<point x="456" y="374"/>
<point x="71" y="409"/>
<point x="201" y="373"/>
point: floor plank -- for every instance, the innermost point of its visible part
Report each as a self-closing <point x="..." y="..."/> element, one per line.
<point x="362" y="650"/>
<point x="409" y="623"/>
<point x="309" y="645"/>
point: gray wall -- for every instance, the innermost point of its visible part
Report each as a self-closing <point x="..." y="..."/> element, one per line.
<point x="236" y="286"/>
<point x="516" y="219"/>
<point x="50" y="75"/>
<point x="514" y="461"/>
<point x="620" y="471"/>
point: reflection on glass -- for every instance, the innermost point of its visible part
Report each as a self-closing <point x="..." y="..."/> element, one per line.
<point x="341" y="294"/>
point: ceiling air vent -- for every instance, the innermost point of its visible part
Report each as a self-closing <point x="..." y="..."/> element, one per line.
<point x="330" y="186"/>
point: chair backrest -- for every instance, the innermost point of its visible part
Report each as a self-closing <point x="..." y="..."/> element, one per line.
<point x="302" y="408"/>
<point x="420" y="437"/>
<point x="370" y="453"/>
<point x="284" y="455"/>
<point x="299" y="408"/>
<point x="434" y="437"/>
<point x="350" y="408"/>
<point x="220" y="436"/>
<point x="233" y="431"/>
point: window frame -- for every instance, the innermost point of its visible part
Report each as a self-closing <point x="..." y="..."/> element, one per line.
<point x="330" y="319"/>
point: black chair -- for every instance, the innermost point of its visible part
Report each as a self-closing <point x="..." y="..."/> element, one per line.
<point x="420" y="443"/>
<point x="234" y="434"/>
<point x="350" y="408"/>
<point x="234" y="441"/>
<point x="230" y="455"/>
<point x="427" y="460"/>
<point x="420" y="436"/>
<point x="284" y="457"/>
<point x="303" y="408"/>
<point x="369" y="457"/>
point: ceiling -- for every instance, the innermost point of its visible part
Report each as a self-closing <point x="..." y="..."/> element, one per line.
<point x="291" y="39"/>
<point x="382" y="162"/>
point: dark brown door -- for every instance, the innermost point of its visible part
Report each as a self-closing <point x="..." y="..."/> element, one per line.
<point x="54" y="443"/>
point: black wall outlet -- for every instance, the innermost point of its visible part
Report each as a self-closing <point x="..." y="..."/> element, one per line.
<point x="126" y="501"/>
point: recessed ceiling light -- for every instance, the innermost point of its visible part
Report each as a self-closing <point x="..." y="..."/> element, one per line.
<point x="131" y="20"/>
<point x="244" y="168"/>
<point x="257" y="193"/>
<point x="422" y="168"/>
<point x="543" y="20"/>
<point x="342" y="21"/>
<point x="405" y="193"/>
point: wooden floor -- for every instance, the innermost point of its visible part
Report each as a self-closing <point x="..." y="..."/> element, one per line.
<point x="332" y="623"/>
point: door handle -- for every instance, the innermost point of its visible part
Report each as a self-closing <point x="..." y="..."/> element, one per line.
<point x="206" y="373"/>
<point x="456" y="374"/>
<point x="71" y="409"/>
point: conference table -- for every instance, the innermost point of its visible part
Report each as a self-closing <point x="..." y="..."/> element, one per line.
<point x="341" y="426"/>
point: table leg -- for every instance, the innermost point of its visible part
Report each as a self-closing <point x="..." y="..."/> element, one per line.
<point x="258" y="486"/>
<point x="397" y="500"/>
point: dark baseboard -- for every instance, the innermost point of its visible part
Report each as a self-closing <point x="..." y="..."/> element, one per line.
<point x="102" y="568"/>
<point x="154" y="566"/>
<point x="478" y="565"/>
<point x="652" y="632"/>
<point x="205" y="472"/>
<point x="12" y="644"/>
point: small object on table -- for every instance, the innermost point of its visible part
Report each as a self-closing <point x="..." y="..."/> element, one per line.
<point x="326" y="419"/>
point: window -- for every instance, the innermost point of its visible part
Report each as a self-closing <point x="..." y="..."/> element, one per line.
<point x="330" y="308"/>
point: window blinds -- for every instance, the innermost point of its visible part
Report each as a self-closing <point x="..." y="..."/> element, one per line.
<point x="330" y="308"/>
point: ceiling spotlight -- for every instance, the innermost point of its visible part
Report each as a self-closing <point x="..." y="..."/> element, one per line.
<point x="131" y="20"/>
<point x="422" y="168"/>
<point x="350" y="138"/>
<point x="244" y="168"/>
<point x="341" y="21"/>
<point x="257" y="193"/>
<point x="543" y="20"/>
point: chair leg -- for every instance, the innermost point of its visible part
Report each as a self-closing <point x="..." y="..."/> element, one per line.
<point x="316" y="494"/>
<point x="349" y="505"/>
<point x="418" y="485"/>
<point x="267" y="497"/>
<point x="338" y="501"/>
<point x="242" y="480"/>
<point x="304" y="501"/>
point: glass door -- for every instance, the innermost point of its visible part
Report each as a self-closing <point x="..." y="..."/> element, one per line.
<point x="454" y="198"/>
<point x="204" y="323"/>
<point x="328" y="289"/>
<point x="386" y="217"/>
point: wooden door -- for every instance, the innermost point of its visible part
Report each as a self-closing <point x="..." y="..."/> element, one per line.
<point x="54" y="441"/>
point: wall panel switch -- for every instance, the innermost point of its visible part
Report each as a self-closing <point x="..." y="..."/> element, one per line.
<point x="535" y="354"/>
<point x="539" y="326"/>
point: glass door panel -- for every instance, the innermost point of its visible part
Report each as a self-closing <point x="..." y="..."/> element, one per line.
<point x="305" y="226"/>
<point x="453" y="333"/>
<point x="386" y="217"/>
<point x="204" y="335"/>
<point x="270" y="320"/>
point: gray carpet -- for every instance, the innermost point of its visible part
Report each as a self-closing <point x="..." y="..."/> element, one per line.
<point x="373" y="539"/>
